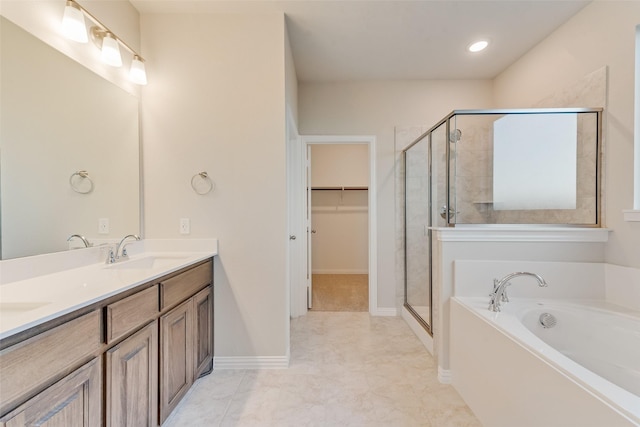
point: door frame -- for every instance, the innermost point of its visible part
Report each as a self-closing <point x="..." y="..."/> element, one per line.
<point x="306" y="141"/>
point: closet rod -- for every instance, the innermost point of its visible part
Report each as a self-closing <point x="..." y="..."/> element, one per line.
<point x="339" y="188"/>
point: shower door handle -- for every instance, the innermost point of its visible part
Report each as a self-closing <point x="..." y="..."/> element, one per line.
<point x="443" y="212"/>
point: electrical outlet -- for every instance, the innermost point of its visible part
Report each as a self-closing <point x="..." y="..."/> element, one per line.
<point x="185" y="226"/>
<point x="103" y="225"/>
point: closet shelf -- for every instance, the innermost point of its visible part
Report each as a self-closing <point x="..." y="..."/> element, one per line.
<point x="339" y="188"/>
<point x="338" y="209"/>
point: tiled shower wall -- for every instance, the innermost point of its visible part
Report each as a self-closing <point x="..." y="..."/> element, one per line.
<point x="474" y="162"/>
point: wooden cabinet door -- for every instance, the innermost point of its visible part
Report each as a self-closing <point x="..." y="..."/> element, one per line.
<point x="176" y="356"/>
<point x="132" y="380"/>
<point x="74" y="401"/>
<point x="203" y="331"/>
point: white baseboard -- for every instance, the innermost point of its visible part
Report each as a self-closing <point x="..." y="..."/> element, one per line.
<point x="384" y="312"/>
<point x="444" y="375"/>
<point x="257" y="362"/>
<point x="345" y="271"/>
<point x="416" y="327"/>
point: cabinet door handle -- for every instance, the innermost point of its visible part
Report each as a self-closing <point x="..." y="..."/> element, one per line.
<point x="292" y="237"/>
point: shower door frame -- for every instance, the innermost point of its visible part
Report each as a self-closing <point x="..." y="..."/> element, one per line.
<point x="427" y="324"/>
<point x="449" y="211"/>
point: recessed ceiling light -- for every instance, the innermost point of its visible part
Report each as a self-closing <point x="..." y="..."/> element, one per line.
<point x="478" y="46"/>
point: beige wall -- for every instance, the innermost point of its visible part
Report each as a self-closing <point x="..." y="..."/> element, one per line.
<point x="215" y="102"/>
<point x="339" y="165"/>
<point x="375" y="108"/>
<point x="602" y="34"/>
<point x="291" y="80"/>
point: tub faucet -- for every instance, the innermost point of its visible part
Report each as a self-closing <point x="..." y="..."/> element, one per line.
<point x="499" y="294"/>
<point x="121" y="249"/>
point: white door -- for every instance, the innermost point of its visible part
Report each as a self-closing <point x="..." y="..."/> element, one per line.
<point x="297" y="238"/>
<point x="310" y="230"/>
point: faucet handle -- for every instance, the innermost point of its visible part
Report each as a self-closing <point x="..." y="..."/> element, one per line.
<point x="494" y="303"/>
<point x="505" y="297"/>
<point x="111" y="256"/>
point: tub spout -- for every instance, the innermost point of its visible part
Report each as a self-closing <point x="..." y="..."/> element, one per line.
<point x="499" y="293"/>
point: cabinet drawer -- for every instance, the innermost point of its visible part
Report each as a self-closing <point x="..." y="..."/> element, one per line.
<point x="185" y="285"/>
<point x="32" y="364"/>
<point x="129" y="313"/>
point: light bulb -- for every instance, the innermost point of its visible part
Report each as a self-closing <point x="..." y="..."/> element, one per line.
<point x="73" y="26"/>
<point x="137" y="73"/>
<point x="111" y="51"/>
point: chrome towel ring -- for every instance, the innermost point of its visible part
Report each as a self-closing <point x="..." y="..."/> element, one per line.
<point x="80" y="182"/>
<point x="202" y="183"/>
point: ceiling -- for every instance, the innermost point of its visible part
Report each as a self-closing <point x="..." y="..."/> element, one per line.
<point x="341" y="40"/>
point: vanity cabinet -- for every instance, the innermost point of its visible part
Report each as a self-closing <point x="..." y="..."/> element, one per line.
<point x="203" y="332"/>
<point x="37" y="362"/>
<point x="131" y="368"/>
<point x="124" y="361"/>
<point x="75" y="400"/>
<point x="131" y="372"/>
<point x="176" y="361"/>
<point x="186" y="339"/>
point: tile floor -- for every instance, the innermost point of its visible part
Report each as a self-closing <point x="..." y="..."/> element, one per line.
<point x="347" y="369"/>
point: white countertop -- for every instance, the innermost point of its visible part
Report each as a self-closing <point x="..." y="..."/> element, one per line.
<point x="33" y="301"/>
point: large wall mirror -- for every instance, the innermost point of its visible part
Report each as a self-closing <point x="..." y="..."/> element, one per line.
<point x="58" y="118"/>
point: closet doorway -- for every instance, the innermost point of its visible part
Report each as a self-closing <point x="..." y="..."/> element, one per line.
<point x="339" y="199"/>
<point x="340" y="225"/>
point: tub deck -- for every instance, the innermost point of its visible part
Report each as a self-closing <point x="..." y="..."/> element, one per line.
<point x="509" y="377"/>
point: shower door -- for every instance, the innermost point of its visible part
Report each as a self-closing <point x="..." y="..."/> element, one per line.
<point x="417" y="222"/>
<point x="425" y="207"/>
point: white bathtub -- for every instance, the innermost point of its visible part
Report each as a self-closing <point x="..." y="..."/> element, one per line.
<point x="584" y="371"/>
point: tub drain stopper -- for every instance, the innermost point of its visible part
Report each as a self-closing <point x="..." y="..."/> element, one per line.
<point x="548" y="320"/>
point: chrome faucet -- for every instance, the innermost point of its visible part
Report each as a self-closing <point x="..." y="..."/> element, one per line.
<point x="84" y="239"/>
<point x="121" y="250"/>
<point x="499" y="294"/>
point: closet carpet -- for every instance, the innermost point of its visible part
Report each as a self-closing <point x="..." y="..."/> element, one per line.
<point x="340" y="292"/>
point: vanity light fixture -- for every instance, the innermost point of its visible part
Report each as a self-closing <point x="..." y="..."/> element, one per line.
<point x="478" y="46"/>
<point x="110" y="52"/>
<point x="73" y="27"/>
<point x="137" y="73"/>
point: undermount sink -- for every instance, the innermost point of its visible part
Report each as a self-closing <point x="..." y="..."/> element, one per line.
<point x="22" y="305"/>
<point x="145" y="263"/>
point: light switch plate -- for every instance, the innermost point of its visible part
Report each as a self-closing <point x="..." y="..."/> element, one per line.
<point x="185" y="226"/>
<point x="103" y="225"/>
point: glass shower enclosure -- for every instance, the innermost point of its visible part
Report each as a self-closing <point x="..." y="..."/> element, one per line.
<point x="496" y="167"/>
